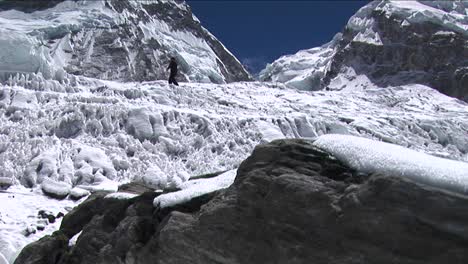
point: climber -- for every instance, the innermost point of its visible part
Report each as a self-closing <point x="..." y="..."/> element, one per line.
<point x="173" y="67"/>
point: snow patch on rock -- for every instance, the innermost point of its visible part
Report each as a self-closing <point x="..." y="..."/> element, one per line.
<point x="195" y="188"/>
<point x="372" y="156"/>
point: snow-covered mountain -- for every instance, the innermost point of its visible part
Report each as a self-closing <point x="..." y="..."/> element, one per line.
<point x="392" y="43"/>
<point x="113" y="40"/>
<point x="69" y="125"/>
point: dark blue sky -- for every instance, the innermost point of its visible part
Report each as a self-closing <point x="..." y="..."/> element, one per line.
<point x="258" y="32"/>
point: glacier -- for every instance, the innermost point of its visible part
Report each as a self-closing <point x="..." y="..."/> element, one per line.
<point x="106" y="133"/>
<point x="75" y="120"/>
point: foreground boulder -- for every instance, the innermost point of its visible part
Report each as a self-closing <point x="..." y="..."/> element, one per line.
<point x="290" y="203"/>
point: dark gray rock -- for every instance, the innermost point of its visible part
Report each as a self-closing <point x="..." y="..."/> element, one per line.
<point x="135" y="188"/>
<point x="46" y="215"/>
<point x="290" y="203"/>
<point x="46" y="250"/>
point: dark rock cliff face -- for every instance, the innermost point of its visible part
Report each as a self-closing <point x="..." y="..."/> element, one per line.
<point x="424" y="52"/>
<point x="290" y="203"/>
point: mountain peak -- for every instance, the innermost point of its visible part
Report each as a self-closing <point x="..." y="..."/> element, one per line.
<point x="113" y="40"/>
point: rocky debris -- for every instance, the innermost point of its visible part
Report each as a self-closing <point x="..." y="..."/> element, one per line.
<point x="47" y="215"/>
<point x="31" y="229"/>
<point x="290" y="203"/>
<point x="44" y="218"/>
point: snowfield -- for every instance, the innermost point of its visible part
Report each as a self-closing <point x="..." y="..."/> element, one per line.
<point x="19" y="220"/>
<point x="102" y="133"/>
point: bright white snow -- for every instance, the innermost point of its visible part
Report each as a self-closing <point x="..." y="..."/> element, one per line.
<point x="372" y="156"/>
<point x="90" y="139"/>
<point x="19" y="212"/>
<point x="303" y="70"/>
<point x="195" y="188"/>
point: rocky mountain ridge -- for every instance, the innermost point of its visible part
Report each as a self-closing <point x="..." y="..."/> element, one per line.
<point x="391" y="43"/>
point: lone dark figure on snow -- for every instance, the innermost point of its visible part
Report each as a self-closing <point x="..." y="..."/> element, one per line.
<point x="173" y="67"/>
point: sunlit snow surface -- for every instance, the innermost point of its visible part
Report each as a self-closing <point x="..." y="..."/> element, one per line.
<point x="195" y="188"/>
<point x="117" y="131"/>
<point x="102" y="133"/>
<point x="18" y="212"/>
<point x="379" y="157"/>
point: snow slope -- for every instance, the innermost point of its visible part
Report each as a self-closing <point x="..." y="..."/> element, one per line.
<point x="195" y="188"/>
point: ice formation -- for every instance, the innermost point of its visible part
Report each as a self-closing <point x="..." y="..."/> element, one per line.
<point x="114" y="40"/>
<point x="160" y="134"/>
<point x="303" y="70"/>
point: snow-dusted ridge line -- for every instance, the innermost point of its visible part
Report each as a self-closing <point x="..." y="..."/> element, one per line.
<point x="393" y="43"/>
<point x="370" y="156"/>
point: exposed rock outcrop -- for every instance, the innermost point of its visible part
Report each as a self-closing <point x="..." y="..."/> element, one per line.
<point x="401" y="42"/>
<point x="290" y="203"/>
<point x="392" y="43"/>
